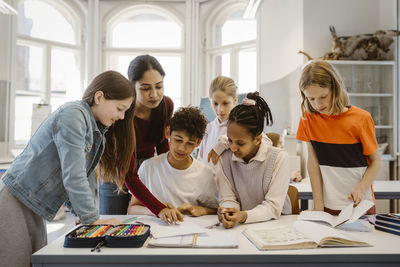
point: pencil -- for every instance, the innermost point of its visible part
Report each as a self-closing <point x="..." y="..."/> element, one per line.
<point x="115" y="231"/>
<point x="101" y="231"/>
<point x="132" y="229"/>
<point x="194" y="241"/>
<point x="127" y="230"/>
<point x="136" y="231"/>
<point x="95" y="231"/>
<point x="88" y="233"/>
<point x="139" y="232"/>
<point x="122" y="230"/>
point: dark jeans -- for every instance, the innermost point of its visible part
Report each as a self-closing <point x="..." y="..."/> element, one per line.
<point x="110" y="201"/>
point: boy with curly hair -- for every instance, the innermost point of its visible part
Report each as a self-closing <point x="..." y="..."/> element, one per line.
<point x="175" y="177"/>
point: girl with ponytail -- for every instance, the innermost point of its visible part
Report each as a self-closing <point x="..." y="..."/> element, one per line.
<point x="252" y="175"/>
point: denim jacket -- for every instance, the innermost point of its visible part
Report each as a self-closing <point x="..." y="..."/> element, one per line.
<point x="58" y="164"/>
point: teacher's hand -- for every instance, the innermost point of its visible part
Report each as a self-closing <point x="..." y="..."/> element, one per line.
<point x="170" y="214"/>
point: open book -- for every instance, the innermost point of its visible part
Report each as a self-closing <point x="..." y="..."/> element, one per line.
<point x="301" y="234"/>
<point x="224" y="239"/>
<point x="349" y="214"/>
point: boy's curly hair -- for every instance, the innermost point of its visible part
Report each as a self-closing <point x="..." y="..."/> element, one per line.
<point x="189" y="119"/>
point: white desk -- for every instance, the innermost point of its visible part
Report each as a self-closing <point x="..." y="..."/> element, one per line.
<point x="382" y="190"/>
<point x="384" y="252"/>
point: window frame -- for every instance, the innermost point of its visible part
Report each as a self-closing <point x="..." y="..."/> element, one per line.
<point x="74" y="16"/>
<point x="211" y="51"/>
<point x="119" y="14"/>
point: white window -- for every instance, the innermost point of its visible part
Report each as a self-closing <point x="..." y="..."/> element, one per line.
<point x="147" y="30"/>
<point x="231" y="48"/>
<point x="48" y="60"/>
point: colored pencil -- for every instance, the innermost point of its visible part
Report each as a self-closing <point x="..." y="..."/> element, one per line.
<point x="94" y="233"/>
<point x="132" y="229"/>
<point x="140" y="230"/>
<point x="91" y="230"/>
<point x="127" y="230"/>
<point x="116" y="231"/>
<point x="137" y="230"/>
<point x="122" y="230"/>
<point x="101" y="231"/>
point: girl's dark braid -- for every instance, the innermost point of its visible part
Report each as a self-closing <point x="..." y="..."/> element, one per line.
<point x="252" y="116"/>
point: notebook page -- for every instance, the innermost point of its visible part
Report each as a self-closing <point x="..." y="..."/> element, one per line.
<point x="360" y="210"/>
<point x="174" y="241"/>
<point x="282" y="236"/>
<point x="316" y="231"/>
<point x="344" y="215"/>
<point x="225" y="239"/>
<point x="309" y="215"/>
<point x="181" y="228"/>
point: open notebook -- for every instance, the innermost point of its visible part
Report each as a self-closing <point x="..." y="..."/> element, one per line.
<point x="348" y="215"/>
<point x="220" y="239"/>
<point x="302" y="234"/>
<point x="188" y="226"/>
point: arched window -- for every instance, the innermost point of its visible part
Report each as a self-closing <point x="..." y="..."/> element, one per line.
<point x="231" y="48"/>
<point x="48" y="60"/>
<point x="147" y="29"/>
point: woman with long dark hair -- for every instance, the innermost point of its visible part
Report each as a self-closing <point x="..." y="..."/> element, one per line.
<point x="153" y="111"/>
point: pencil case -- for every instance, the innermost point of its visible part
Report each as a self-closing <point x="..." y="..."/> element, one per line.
<point x="119" y="236"/>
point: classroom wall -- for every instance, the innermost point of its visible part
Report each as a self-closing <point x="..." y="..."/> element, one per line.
<point x="304" y="25"/>
<point x="281" y="35"/>
<point x="348" y="16"/>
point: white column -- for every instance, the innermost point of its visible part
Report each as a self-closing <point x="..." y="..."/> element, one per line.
<point x="192" y="56"/>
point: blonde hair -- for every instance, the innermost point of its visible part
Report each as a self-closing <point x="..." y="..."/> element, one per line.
<point x="224" y="84"/>
<point x="323" y="74"/>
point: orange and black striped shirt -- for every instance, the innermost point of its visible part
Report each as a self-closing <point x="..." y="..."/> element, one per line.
<point x="342" y="144"/>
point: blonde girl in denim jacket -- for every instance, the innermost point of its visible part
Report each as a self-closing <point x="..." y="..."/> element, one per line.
<point x="58" y="165"/>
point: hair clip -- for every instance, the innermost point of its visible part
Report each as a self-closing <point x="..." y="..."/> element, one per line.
<point x="248" y="102"/>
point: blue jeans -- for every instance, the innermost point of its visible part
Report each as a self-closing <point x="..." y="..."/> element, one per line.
<point x="110" y="201"/>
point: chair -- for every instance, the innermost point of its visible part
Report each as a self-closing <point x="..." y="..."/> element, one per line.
<point x="293" y="194"/>
<point x="241" y="97"/>
<point x="205" y="106"/>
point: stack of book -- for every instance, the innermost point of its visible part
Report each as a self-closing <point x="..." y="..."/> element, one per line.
<point x="388" y="223"/>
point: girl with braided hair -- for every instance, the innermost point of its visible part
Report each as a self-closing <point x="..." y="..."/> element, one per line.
<point x="251" y="175"/>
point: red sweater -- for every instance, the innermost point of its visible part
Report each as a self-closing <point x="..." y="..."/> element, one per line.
<point x="145" y="149"/>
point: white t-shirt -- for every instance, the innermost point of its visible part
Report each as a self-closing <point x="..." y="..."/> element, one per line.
<point x="195" y="185"/>
<point x="213" y="131"/>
